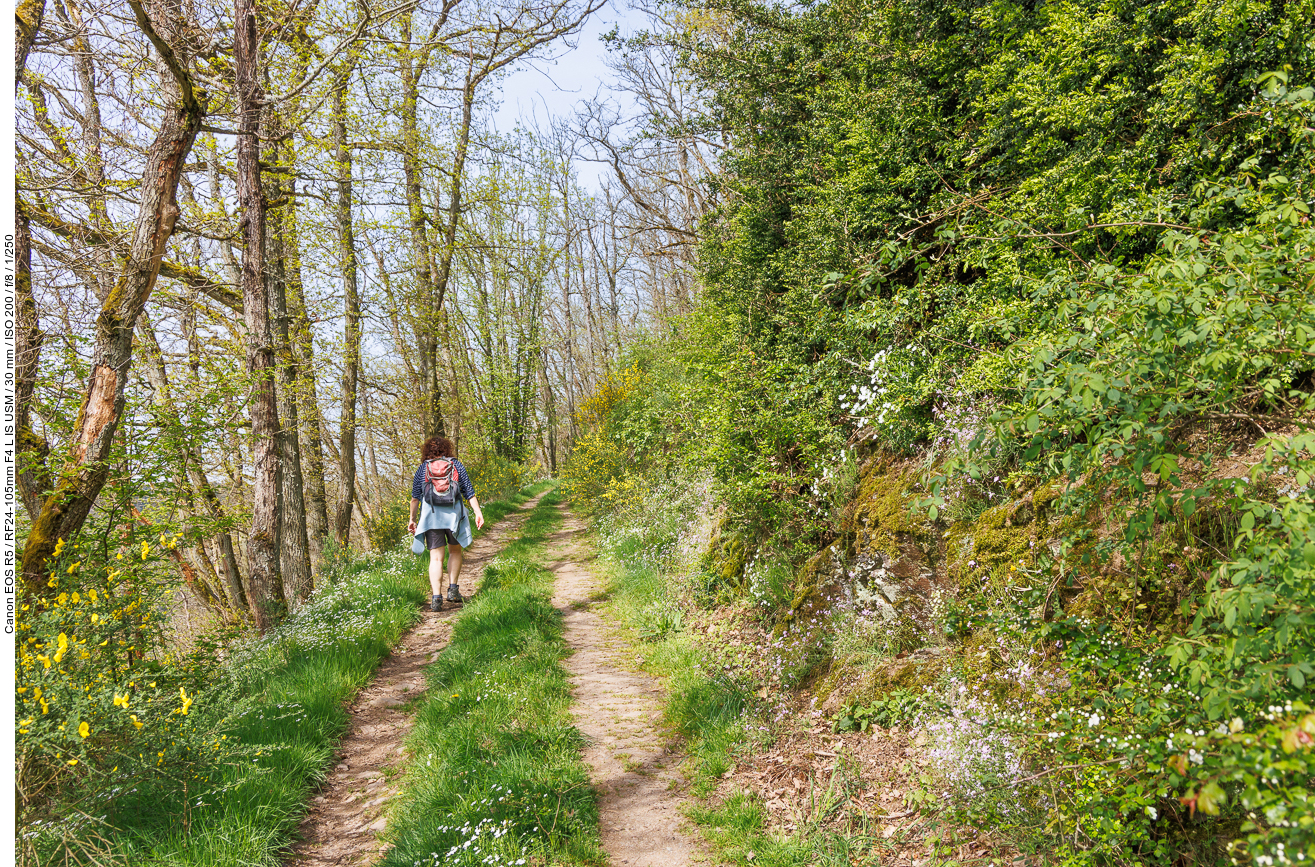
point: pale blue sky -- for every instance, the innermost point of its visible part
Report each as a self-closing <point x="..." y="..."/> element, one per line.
<point x="544" y="91"/>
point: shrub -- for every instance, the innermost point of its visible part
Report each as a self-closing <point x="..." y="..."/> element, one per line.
<point x="104" y="707"/>
<point x="387" y="529"/>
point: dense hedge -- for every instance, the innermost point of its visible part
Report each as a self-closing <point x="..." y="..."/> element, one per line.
<point x="1038" y="243"/>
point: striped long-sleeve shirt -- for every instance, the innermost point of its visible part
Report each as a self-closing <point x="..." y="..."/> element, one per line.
<point x="466" y="489"/>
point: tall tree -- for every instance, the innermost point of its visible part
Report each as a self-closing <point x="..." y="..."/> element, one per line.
<point x="63" y="512"/>
<point x="351" y="314"/>
<point x="31" y="448"/>
<point x="294" y="546"/>
<point x="265" y="590"/>
<point x="487" y="46"/>
<point x="310" y="424"/>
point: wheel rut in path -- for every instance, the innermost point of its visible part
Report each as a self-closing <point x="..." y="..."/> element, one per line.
<point x="346" y="816"/>
<point x="631" y="761"/>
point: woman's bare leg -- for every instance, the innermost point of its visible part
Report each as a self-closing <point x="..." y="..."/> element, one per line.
<point x="436" y="570"/>
<point x="455" y="554"/>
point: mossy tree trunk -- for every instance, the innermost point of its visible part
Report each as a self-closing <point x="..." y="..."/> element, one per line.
<point x="80" y="480"/>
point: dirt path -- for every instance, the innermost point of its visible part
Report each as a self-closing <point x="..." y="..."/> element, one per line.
<point x="618" y="711"/>
<point x="346" y="817"/>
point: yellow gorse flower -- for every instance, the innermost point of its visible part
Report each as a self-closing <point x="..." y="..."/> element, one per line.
<point x="59" y="546"/>
<point x="146" y="549"/>
<point x="63" y="648"/>
<point x="121" y="701"/>
<point x="84" y="730"/>
<point x="133" y="717"/>
<point x="187" y="702"/>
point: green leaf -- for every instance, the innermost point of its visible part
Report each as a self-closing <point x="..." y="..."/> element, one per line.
<point x="1210" y="799"/>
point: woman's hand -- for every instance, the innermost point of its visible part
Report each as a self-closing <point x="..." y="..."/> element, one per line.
<point x="479" y="520"/>
<point x="411" y="527"/>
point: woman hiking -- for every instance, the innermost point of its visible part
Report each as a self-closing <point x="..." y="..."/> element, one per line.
<point x="439" y="487"/>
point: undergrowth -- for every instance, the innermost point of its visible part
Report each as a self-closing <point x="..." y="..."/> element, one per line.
<point x="223" y="778"/>
<point x="711" y="703"/>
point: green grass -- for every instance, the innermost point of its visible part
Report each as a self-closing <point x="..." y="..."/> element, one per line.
<point x="495" y="775"/>
<point x="711" y="712"/>
<point x="499" y="509"/>
<point x="717" y="718"/>
<point x="284" y="706"/>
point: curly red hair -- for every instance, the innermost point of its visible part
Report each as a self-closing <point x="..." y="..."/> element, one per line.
<point x="437" y="447"/>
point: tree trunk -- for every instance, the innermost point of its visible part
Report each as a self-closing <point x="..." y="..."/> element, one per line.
<point x="308" y="414"/>
<point x="28" y="15"/>
<point x="294" y="546"/>
<point x="63" y="512"/>
<point x="422" y="253"/>
<point x="32" y="449"/>
<point x="264" y="585"/>
<point x="352" y="315"/>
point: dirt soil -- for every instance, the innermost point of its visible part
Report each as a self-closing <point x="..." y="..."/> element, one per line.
<point x="347" y="815"/>
<point x="862" y="785"/>
<point x="632" y="760"/>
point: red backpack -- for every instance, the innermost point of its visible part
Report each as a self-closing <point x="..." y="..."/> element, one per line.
<point x="440" y="482"/>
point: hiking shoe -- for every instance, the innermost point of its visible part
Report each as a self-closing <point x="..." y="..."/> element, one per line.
<point x="436" y="604"/>
<point x="454" y="595"/>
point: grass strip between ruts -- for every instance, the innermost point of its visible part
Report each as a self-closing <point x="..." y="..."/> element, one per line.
<point x="495" y="775"/>
<point x="291" y="714"/>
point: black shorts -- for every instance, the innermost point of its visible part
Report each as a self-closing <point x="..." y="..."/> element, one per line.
<point x="439" y="538"/>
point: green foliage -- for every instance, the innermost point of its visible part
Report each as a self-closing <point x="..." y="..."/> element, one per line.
<point x="1065" y="251"/>
<point x="495" y="478"/>
<point x="102" y="702"/>
<point x="738" y="828"/>
<point x="203" y="757"/>
<point x="232" y="752"/>
<point x="1048" y="240"/>
<point x="337" y="562"/>
<point x="386" y="530"/>
<point x="1216" y="326"/>
<point x="896" y="707"/>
